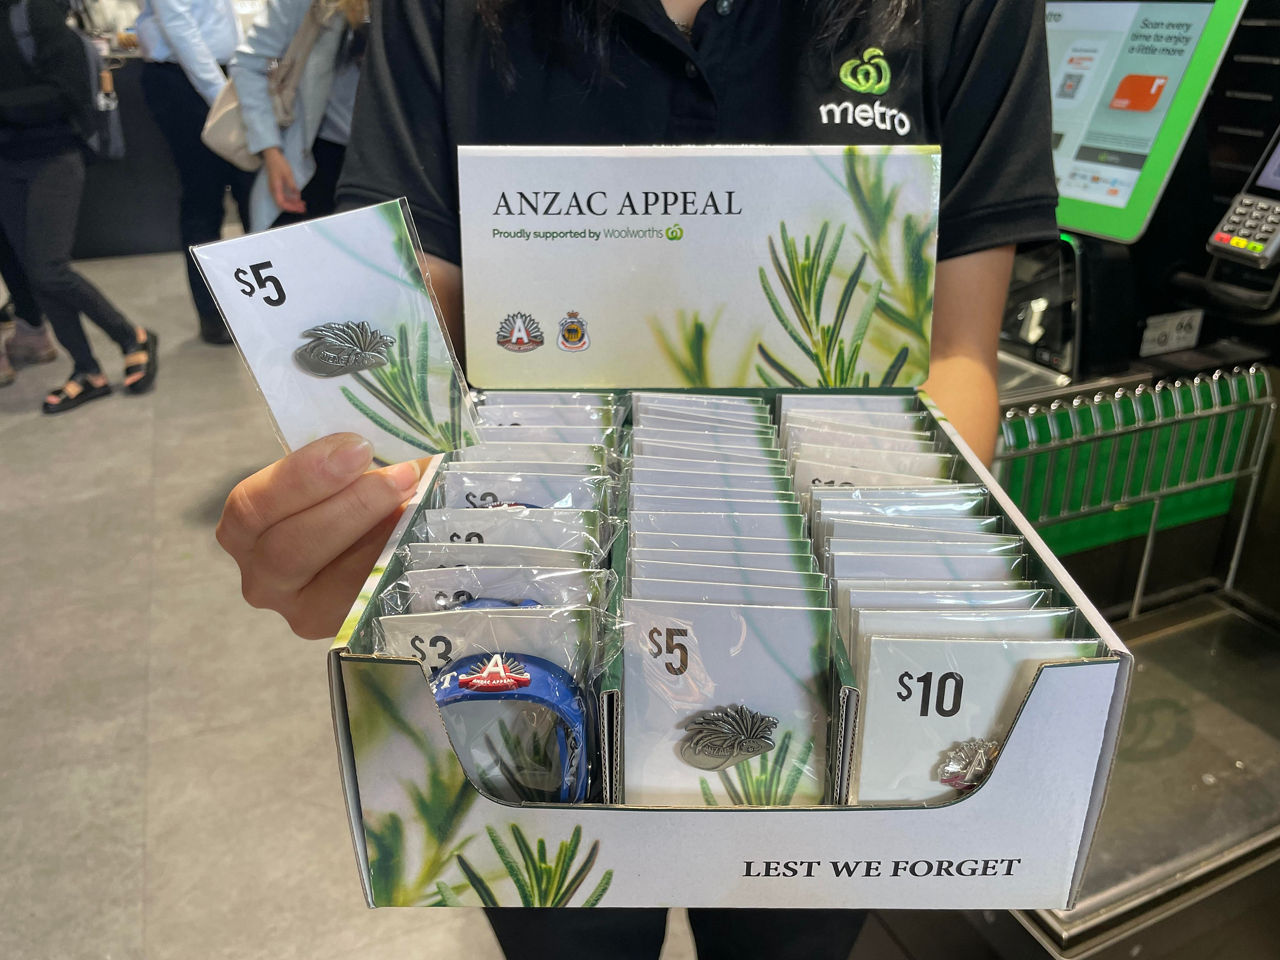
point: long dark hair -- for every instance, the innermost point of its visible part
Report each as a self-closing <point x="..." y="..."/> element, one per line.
<point x="575" y="27"/>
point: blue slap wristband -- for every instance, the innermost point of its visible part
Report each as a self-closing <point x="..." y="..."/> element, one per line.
<point x="492" y="676"/>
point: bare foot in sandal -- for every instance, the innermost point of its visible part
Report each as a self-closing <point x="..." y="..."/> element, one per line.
<point x="79" y="390"/>
<point x="141" y="363"/>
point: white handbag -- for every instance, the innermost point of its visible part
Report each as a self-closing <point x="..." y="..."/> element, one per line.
<point x="224" y="131"/>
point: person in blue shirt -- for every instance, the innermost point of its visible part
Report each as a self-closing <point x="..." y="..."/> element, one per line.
<point x="300" y="163"/>
<point x="187" y="44"/>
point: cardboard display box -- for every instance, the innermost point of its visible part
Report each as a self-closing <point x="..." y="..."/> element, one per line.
<point x="1018" y="840"/>
<point x="311" y="304"/>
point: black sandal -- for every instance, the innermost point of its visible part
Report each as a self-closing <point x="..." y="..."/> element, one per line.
<point x="144" y="359"/>
<point x="75" y="392"/>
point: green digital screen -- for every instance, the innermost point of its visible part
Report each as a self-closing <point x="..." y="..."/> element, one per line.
<point x="1127" y="82"/>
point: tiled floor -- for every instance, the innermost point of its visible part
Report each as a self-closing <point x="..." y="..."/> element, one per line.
<point x="167" y="768"/>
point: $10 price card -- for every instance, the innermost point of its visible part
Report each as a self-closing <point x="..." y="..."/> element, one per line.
<point x="924" y="697"/>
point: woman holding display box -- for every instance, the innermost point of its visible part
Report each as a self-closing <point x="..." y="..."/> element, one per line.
<point x="968" y="74"/>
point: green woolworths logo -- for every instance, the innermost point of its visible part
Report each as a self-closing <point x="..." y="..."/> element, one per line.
<point x="868" y="75"/>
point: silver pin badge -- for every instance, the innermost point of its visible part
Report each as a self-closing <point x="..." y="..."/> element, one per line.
<point x="967" y="763"/>
<point x="719" y="738"/>
<point x="337" y="348"/>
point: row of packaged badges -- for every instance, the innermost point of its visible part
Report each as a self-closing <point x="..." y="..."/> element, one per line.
<point x="724" y="639"/>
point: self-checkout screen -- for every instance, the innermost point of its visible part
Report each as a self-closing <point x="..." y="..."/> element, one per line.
<point x="1127" y="80"/>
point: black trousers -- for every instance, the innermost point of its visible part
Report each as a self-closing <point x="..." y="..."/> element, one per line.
<point x="320" y="192"/>
<point x="180" y="113"/>
<point x="620" y="934"/>
<point x="39" y="206"/>
<point x="15" y="278"/>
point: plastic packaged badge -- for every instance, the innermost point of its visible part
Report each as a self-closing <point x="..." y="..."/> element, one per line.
<point x="617" y="630"/>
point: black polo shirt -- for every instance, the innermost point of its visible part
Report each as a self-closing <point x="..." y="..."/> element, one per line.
<point x="970" y="75"/>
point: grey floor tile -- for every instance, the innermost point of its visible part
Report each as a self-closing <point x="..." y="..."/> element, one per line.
<point x="217" y="663"/>
<point x="102" y="449"/>
<point x="72" y="552"/>
<point x="437" y="934"/>
<point x="197" y="378"/>
<point x="248" y="854"/>
<point x="71" y="842"/>
<point x="74" y="684"/>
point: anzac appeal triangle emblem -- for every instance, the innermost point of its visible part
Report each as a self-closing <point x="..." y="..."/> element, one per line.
<point x="519" y="333"/>
<point x="498" y="674"/>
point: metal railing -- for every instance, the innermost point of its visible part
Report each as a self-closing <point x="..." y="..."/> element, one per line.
<point x="1095" y="455"/>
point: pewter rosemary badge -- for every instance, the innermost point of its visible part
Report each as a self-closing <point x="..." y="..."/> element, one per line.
<point x="338" y="348"/>
<point x="716" y="739"/>
<point x="967" y="763"/>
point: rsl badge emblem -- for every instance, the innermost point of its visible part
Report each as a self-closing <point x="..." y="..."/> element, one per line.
<point x="573" y="333"/>
<point x="519" y="333"/>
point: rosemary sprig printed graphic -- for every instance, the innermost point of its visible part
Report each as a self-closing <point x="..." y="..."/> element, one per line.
<point x="439" y="805"/>
<point x="688" y="349"/>
<point x="765" y="781"/>
<point x="803" y="274"/>
<point x="540" y="882"/>
<point x="901" y="247"/>
<point x="402" y="387"/>
<point x="532" y="752"/>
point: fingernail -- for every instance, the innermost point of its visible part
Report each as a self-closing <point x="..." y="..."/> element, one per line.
<point x="349" y="457"/>
<point x="405" y="475"/>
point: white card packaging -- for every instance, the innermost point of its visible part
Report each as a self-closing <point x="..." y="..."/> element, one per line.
<point x="923" y="698"/>
<point x="684" y="661"/>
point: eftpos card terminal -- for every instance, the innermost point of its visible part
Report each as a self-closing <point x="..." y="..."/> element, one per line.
<point x="1250" y="230"/>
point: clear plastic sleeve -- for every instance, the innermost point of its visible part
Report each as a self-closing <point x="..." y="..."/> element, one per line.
<point x="514" y="690"/>
<point x="1005" y="546"/>
<point x="449" y="588"/>
<point x="950" y="702"/>
<point x="515" y="451"/>
<point x="550" y="415"/>
<point x="459" y="487"/>
<point x="725" y="705"/>
<point x="880" y="566"/>
<point x="426" y="556"/>
<point x="582" y="531"/>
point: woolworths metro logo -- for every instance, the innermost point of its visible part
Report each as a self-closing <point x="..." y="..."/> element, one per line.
<point x="869" y="74"/>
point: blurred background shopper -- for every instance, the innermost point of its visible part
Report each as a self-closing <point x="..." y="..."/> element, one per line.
<point x="45" y="115"/>
<point x="300" y="163"/>
<point x="24" y="336"/>
<point x="187" y="43"/>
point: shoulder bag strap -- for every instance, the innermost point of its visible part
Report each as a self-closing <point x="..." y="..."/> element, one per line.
<point x="20" y="23"/>
<point x="286" y="77"/>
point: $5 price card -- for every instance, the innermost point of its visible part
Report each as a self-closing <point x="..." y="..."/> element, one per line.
<point x="724" y="705"/>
